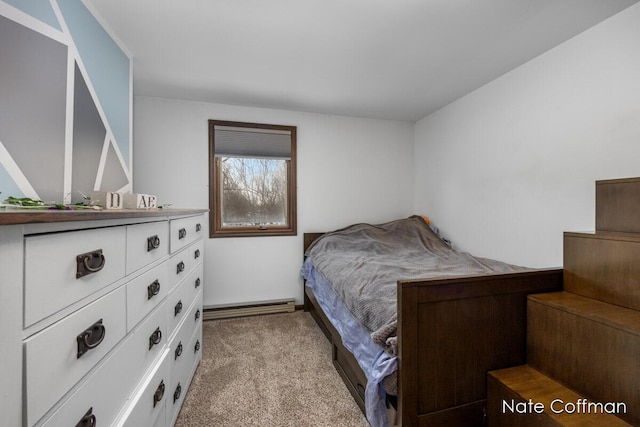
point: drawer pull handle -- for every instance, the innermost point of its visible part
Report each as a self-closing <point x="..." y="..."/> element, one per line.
<point x="182" y="233"/>
<point x="155" y="337"/>
<point x="198" y="227"/>
<point x="176" y="394"/>
<point x="86" y="263"/>
<point x="153" y="289"/>
<point x="197" y="315"/>
<point x="159" y="394"/>
<point x="197" y="284"/>
<point x="178" y="351"/>
<point x="90" y="338"/>
<point x="153" y="242"/>
<point x="180" y="267"/>
<point x="177" y="309"/>
<point x="196" y="254"/>
<point x="197" y="347"/>
<point x="88" y="420"/>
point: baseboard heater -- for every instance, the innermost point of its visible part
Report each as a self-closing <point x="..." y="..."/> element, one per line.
<point x="251" y="309"/>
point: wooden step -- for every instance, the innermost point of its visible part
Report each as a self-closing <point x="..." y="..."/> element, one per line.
<point x="591" y="346"/>
<point x="618" y="205"/>
<point x="524" y="397"/>
<point x="604" y="266"/>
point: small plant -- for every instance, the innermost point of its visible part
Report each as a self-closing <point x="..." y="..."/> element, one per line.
<point x="27" y="202"/>
<point x="23" y="201"/>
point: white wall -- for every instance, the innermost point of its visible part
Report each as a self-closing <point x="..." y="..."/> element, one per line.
<point x="349" y="170"/>
<point x="506" y="169"/>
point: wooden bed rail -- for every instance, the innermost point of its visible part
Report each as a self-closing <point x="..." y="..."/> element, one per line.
<point x="451" y="331"/>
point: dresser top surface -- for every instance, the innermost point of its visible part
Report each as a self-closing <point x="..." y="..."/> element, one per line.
<point x="34" y="216"/>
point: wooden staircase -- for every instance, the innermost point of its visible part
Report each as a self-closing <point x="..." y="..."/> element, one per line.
<point x="583" y="344"/>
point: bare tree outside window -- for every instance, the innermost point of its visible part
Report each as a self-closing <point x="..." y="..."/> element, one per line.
<point x="254" y="192"/>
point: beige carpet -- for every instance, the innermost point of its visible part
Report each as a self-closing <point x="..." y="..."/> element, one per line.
<point x="272" y="370"/>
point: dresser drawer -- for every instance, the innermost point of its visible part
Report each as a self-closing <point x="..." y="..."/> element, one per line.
<point x="101" y="396"/>
<point x="180" y="300"/>
<point x="181" y="373"/>
<point x="146" y="243"/>
<point x="149" y="403"/>
<point x="151" y="337"/>
<point x="185" y="231"/>
<point x="180" y="342"/>
<point x="108" y="388"/>
<point x="53" y="263"/>
<point x="60" y="355"/>
<point x="144" y="293"/>
<point x="182" y="263"/>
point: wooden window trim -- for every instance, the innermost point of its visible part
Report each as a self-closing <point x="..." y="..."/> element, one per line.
<point x="215" y="227"/>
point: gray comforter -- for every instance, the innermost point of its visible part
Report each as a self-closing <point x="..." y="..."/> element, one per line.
<point x="363" y="263"/>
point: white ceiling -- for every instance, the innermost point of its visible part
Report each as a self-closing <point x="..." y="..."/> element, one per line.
<point x="390" y="59"/>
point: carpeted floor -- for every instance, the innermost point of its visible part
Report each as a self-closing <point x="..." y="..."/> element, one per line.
<point x="273" y="370"/>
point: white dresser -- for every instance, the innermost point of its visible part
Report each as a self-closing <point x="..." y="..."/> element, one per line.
<point x="100" y="316"/>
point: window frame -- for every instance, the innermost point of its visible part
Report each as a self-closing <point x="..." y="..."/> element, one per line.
<point x="215" y="216"/>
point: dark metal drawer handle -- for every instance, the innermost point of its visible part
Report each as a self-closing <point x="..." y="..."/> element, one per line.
<point x="197" y="315"/>
<point x="88" y="420"/>
<point x="196" y="254"/>
<point x="155" y="337"/>
<point x="180" y="267"/>
<point x="197" y="347"/>
<point x="153" y="242"/>
<point x="153" y="289"/>
<point x="178" y="351"/>
<point x="198" y="227"/>
<point x="176" y="394"/>
<point x="90" y="338"/>
<point x="197" y="283"/>
<point x="182" y="233"/>
<point x="159" y="394"/>
<point x="177" y="309"/>
<point x="86" y="263"/>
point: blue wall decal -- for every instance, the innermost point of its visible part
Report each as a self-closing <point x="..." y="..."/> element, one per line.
<point x="39" y="9"/>
<point x="8" y="188"/>
<point x="33" y="100"/>
<point x="107" y="66"/>
<point x="44" y="156"/>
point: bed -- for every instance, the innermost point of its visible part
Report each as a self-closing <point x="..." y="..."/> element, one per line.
<point x="416" y="351"/>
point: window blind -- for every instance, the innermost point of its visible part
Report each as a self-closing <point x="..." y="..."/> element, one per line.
<point x="252" y="142"/>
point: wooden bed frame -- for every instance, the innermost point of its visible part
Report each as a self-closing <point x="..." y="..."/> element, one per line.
<point x="451" y="332"/>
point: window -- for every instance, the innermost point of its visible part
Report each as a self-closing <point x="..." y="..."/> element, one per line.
<point x="252" y="178"/>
